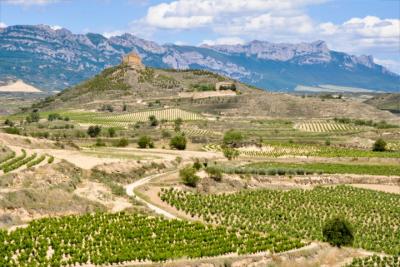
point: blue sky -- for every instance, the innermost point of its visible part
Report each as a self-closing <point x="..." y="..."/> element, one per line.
<point x="353" y="26"/>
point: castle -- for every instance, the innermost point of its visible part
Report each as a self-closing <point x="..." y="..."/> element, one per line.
<point x="133" y="60"/>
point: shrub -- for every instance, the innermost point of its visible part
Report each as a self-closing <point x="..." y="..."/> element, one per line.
<point x="123" y="142"/>
<point x="232" y="138"/>
<point x="12" y="130"/>
<point x="188" y="176"/>
<point x="34" y="116"/>
<point x="178" y="142"/>
<point x="9" y="122"/>
<point x="197" y="165"/>
<point x="111" y="132"/>
<point x="54" y="116"/>
<point x="338" y="232"/>
<point x="379" y="145"/>
<point x="153" y="121"/>
<point x="230" y="153"/>
<point x="100" y="142"/>
<point x="214" y="173"/>
<point x="145" y="141"/>
<point x="94" y="131"/>
<point x="177" y="124"/>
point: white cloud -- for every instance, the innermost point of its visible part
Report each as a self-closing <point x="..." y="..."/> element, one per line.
<point x="3" y="25"/>
<point x="224" y="41"/>
<point x="30" y="2"/>
<point x="185" y="14"/>
<point x="391" y="65"/>
<point x="363" y="34"/>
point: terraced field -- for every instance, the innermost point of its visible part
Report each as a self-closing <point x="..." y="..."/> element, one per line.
<point x="284" y="150"/>
<point x="13" y="162"/>
<point x="105" y="239"/>
<point x="125" y="120"/>
<point x="300" y="213"/>
<point x="324" y="126"/>
<point x="200" y="132"/>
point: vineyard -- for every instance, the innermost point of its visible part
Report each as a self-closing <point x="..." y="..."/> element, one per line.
<point x="200" y="132"/>
<point x="12" y="162"/>
<point x="330" y="168"/>
<point x="116" y="238"/>
<point x="281" y="150"/>
<point x="324" y="126"/>
<point x="301" y="213"/>
<point x="375" y="260"/>
<point x="125" y="120"/>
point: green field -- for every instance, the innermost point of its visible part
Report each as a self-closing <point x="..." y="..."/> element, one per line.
<point x="330" y="168"/>
<point x="115" y="238"/>
<point x="301" y="213"/>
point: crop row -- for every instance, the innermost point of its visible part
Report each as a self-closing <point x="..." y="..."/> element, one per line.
<point x="301" y="213"/>
<point x="329" y="168"/>
<point x="319" y="126"/>
<point x="199" y="132"/>
<point x="19" y="163"/>
<point x="116" y="238"/>
<point x="36" y="161"/>
<point x="124" y="120"/>
<point x="375" y="260"/>
<point x="279" y="150"/>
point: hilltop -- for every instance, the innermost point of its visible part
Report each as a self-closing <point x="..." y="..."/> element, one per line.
<point x="57" y="59"/>
<point x="19" y="87"/>
<point x="124" y="88"/>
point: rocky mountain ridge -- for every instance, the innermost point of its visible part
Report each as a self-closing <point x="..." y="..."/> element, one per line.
<point x="56" y="58"/>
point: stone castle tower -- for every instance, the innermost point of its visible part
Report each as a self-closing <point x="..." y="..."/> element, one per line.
<point x="133" y="60"/>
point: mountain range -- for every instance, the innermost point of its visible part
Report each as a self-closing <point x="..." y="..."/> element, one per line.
<point x="53" y="59"/>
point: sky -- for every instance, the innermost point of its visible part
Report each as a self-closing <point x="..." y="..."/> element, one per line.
<point x="370" y="27"/>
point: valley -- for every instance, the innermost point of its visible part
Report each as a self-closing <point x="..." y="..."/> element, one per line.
<point x="141" y="166"/>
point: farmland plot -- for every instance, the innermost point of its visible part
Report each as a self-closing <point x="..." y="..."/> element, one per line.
<point x="323" y="126"/>
<point x="301" y="213"/>
<point x="124" y="120"/>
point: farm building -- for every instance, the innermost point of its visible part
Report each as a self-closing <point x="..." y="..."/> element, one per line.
<point x="133" y="60"/>
<point x="225" y="86"/>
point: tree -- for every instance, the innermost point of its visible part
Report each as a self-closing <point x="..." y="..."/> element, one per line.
<point x="232" y="138"/>
<point x="214" y="173"/>
<point x="230" y="153"/>
<point x="111" y="132"/>
<point x="153" y="121"/>
<point x="94" y="131"/>
<point x="34" y="116"/>
<point x="338" y="232"/>
<point x="188" y="176"/>
<point x="379" y="145"/>
<point x="123" y="142"/>
<point x="178" y="142"/>
<point x="145" y="141"/>
<point x="177" y="124"/>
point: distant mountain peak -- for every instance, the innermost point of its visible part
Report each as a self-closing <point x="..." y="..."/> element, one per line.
<point x="53" y="58"/>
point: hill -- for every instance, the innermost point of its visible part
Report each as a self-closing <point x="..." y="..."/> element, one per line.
<point x="389" y="102"/>
<point x="123" y="88"/>
<point x="57" y="59"/>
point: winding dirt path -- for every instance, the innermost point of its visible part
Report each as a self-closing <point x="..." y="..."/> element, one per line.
<point x="130" y="191"/>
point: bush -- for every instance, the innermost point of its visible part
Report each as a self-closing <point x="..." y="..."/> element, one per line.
<point x="379" y="145"/>
<point x="94" y="131"/>
<point x="230" y="153"/>
<point x="123" y="142"/>
<point x="54" y="116"/>
<point x="178" y="142"/>
<point x="9" y="123"/>
<point x="145" y="141"/>
<point x="189" y="177"/>
<point x="214" y="173"/>
<point x="153" y="121"/>
<point x="100" y="142"/>
<point x="34" y="116"/>
<point x="338" y="232"/>
<point x="177" y="124"/>
<point x="12" y="130"/>
<point x="197" y="165"/>
<point x="232" y="138"/>
<point x="111" y="132"/>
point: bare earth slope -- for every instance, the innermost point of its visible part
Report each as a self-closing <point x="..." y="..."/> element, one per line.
<point x="140" y="89"/>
